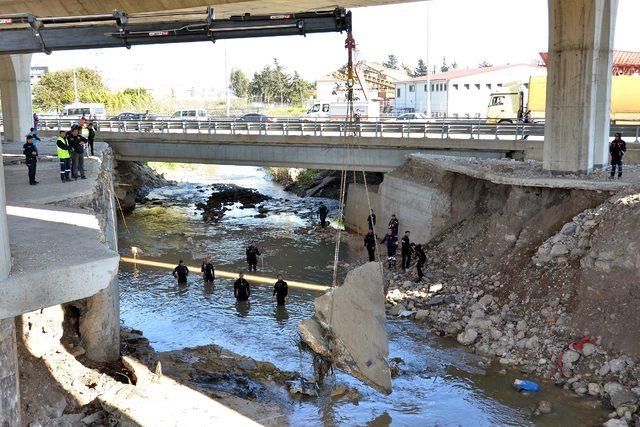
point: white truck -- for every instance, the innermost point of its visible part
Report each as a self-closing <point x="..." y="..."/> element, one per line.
<point x="326" y="111"/>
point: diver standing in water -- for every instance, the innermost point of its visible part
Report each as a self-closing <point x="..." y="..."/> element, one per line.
<point x="252" y="256"/>
<point x="241" y="289"/>
<point x="208" y="271"/>
<point x="280" y="291"/>
<point x="181" y="272"/>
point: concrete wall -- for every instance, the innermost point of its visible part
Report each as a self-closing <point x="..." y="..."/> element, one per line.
<point x="15" y="93"/>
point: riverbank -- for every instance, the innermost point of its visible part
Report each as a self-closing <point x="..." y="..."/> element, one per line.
<point x="318" y="183"/>
<point x="532" y="277"/>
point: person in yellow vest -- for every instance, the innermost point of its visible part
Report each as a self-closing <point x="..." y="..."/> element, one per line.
<point x="64" y="155"/>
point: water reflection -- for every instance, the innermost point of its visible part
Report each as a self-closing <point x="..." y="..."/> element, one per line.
<point x="243" y="307"/>
<point x="282" y="315"/>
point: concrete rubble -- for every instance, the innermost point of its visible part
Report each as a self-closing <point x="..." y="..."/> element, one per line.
<point x="348" y="327"/>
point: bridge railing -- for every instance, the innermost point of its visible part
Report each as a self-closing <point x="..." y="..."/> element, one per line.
<point x="390" y="129"/>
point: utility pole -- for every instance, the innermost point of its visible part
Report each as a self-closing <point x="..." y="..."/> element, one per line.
<point x="226" y="80"/>
<point x="75" y="87"/>
<point x="428" y="91"/>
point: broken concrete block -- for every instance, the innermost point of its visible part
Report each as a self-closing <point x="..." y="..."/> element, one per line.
<point x="349" y="327"/>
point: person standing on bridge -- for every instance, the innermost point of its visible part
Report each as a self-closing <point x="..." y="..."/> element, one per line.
<point x="394" y="224"/>
<point x="241" y="288"/>
<point x="91" y="136"/>
<point x="370" y="244"/>
<point x="208" y="272"/>
<point x="77" y="143"/>
<point x="31" y="159"/>
<point x="617" y="148"/>
<point x="405" y="249"/>
<point x="371" y="220"/>
<point x="392" y="247"/>
<point x="280" y="290"/>
<point x="64" y="156"/>
<point x="181" y="272"/>
<point x="322" y="212"/>
<point x="252" y="253"/>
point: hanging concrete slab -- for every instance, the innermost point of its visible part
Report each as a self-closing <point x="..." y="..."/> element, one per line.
<point x="349" y="329"/>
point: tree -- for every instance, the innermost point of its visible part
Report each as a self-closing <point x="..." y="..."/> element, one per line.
<point x="239" y="83"/>
<point x="55" y="89"/>
<point x="391" y="62"/>
<point x="447" y="67"/>
<point x="274" y="84"/>
<point x="485" y="64"/>
<point x="421" y="69"/>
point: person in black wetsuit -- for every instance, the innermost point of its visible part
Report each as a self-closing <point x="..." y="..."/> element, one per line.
<point x="280" y="290"/>
<point x="405" y="249"/>
<point x="422" y="259"/>
<point x="208" y="272"/>
<point x="252" y="257"/>
<point x="92" y="136"/>
<point x="241" y="289"/>
<point x="323" y="212"/>
<point x="370" y="244"/>
<point x="392" y="247"/>
<point x="371" y="220"/>
<point x="181" y="272"/>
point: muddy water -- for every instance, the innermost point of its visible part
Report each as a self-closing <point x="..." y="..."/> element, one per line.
<point x="440" y="384"/>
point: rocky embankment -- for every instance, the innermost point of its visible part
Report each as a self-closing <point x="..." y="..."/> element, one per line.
<point x="318" y="183"/>
<point x="559" y="304"/>
<point x="133" y="181"/>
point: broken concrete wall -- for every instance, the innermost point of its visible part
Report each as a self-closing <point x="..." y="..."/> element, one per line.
<point x="349" y="327"/>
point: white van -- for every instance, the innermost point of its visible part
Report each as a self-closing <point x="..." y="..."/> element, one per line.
<point x="195" y="114"/>
<point x="320" y="111"/>
<point x="89" y="110"/>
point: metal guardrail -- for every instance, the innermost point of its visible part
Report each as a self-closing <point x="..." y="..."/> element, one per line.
<point x="391" y="129"/>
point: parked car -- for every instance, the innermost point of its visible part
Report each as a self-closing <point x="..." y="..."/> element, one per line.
<point x="256" y="117"/>
<point x="413" y="117"/>
<point x="192" y="114"/>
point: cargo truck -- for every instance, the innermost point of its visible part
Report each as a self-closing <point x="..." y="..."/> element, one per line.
<point x="510" y="103"/>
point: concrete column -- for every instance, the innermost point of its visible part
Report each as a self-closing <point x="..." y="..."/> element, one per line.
<point x="580" y="44"/>
<point x="100" y="323"/>
<point x="603" y="84"/>
<point x="9" y="385"/>
<point x="15" y="93"/>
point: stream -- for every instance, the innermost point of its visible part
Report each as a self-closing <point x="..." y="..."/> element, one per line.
<point x="440" y="382"/>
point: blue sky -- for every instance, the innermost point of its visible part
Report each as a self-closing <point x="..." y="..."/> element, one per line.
<point x="467" y="31"/>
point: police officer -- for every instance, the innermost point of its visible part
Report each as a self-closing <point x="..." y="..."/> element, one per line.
<point x="208" y="272"/>
<point x="181" y="272"/>
<point x="252" y="256"/>
<point x="280" y="290"/>
<point x="64" y="156"/>
<point x="405" y="249"/>
<point x="370" y="244"/>
<point x="322" y="212"/>
<point x="392" y="247"/>
<point x="394" y="224"/>
<point x="77" y="143"/>
<point x="617" y="148"/>
<point x="31" y="159"/>
<point x="241" y="289"/>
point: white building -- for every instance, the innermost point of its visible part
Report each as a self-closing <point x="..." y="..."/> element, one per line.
<point x="461" y="93"/>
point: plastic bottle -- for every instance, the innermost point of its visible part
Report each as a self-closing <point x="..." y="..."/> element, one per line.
<point x="525" y="385"/>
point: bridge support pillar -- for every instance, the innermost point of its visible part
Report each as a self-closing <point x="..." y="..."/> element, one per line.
<point x="9" y="382"/>
<point x="578" y="84"/>
<point x="15" y="93"/>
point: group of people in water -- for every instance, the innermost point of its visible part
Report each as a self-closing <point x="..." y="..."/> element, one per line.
<point x="241" y="287"/>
